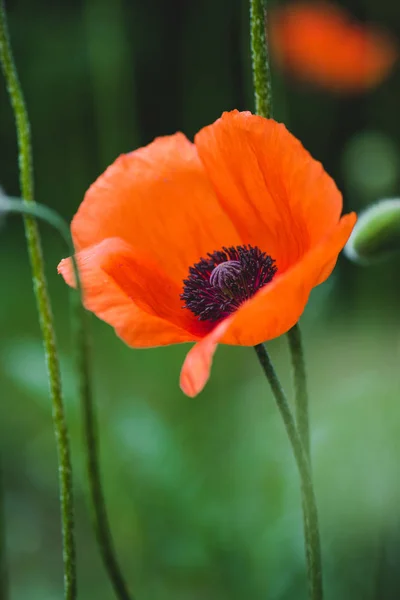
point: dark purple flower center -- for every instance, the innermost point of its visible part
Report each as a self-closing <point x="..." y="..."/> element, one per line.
<point x="219" y="284"/>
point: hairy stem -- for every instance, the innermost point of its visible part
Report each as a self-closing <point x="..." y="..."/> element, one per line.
<point x="100" y="517"/>
<point x="3" y="543"/>
<point x="263" y="105"/>
<point x="44" y="307"/>
<point x="300" y="386"/>
<point x="260" y="58"/>
<point x="314" y="562"/>
<point x="301" y="407"/>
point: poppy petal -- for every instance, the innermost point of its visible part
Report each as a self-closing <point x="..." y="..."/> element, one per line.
<point x="276" y="194"/>
<point x="149" y="288"/>
<point x="136" y="325"/>
<point x="197" y="365"/>
<point x="278" y="306"/>
<point x="160" y="201"/>
<point x="272" y="312"/>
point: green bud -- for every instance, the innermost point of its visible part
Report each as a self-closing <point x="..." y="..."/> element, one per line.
<point x="376" y="234"/>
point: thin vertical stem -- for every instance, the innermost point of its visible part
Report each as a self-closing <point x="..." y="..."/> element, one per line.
<point x="100" y="518"/>
<point x="263" y="105"/>
<point x="260" y="58"/>
<point x="314" y="563"/>
<point x="301" y="408"/>
<point x="44" y="308"/>
<point x="3" y="543"/>
<point x="300" y="386"/>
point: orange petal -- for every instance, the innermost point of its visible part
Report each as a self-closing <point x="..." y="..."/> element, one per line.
<point x="160" y="201"/>
<point x="319" y="42"/>
<point x="197" y="365"/>
<point x="272" y="312"/>
<point x="149" y="288"/>
<point x="138" y="326"/>
<point x="278" y="306"/>
<point x="276" y="194"/>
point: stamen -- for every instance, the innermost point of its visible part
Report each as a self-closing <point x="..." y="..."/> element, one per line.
<point x="219" y="284"/>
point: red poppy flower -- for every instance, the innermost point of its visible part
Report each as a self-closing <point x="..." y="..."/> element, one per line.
<point x="220" y="241"/>
<point x="320" y="43"/>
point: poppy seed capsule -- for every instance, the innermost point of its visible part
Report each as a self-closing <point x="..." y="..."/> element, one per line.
<point x="219" y="284"/>
<point x="225" y="275"/>
<point x="376" y="234"/>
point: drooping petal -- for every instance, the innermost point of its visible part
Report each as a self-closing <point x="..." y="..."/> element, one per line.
<point x="133" y="319"/>
<point x="197" y="366"/>
<point x="159" y="200"/>
<point x="276" y="194"/>
<point x="272" y="311"/>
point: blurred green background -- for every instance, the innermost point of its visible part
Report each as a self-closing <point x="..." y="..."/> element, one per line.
<point x="202" y="493"/>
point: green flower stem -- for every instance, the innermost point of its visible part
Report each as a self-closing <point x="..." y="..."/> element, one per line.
<point x="301" y="408"/>
<point x="300" y="385"/>
<point x="44" y="308"/>
<point x="263" y="103"/>
<point x="3" y="544"/>
<point x="260" y="58"/>
<point x="100" y="518"/>
<point x="314" y="563"/>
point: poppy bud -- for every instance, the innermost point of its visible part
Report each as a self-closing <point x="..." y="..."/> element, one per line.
<point x="376" y="234"/>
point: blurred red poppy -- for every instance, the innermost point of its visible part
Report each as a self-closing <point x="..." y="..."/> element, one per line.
<point x="320" y="43"/>
<point x="220" y="241"/>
